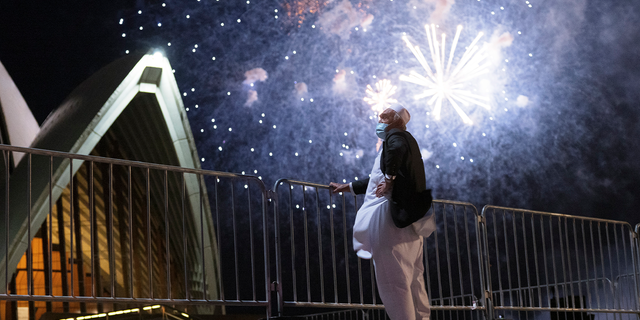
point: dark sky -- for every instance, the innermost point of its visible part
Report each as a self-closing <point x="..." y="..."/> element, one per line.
<point x="50" y="47"/>
<point x="561" y="134"/>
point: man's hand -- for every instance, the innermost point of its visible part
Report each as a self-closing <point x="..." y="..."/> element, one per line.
<point x="339" y="187"/>
<point x="383" y="188"/>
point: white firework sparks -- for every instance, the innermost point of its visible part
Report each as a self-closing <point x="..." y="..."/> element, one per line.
<point x="380" y="98"/>
<point x="443" y="82"/>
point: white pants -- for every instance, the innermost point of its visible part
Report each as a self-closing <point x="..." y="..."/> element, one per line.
<point x="397" y="257"/>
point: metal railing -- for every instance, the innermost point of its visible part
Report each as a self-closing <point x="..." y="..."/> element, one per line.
<point x="545" y="261"/>
<point x="317" y="266"/>
<point x="99" y="231"/>
<point x="88" y="234"/>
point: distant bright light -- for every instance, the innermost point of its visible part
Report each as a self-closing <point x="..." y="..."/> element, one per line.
<point x="445" y="83"/>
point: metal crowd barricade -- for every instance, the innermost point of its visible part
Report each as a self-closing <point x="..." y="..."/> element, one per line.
<point x="545" y="262"/>
<point x="317" y="266"/>
<point x="90" y="234"/>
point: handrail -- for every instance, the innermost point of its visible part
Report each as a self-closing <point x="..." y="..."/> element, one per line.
<point x="131" y="163"/>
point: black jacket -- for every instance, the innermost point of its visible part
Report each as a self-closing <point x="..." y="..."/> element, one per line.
<point x="401" y="158"/>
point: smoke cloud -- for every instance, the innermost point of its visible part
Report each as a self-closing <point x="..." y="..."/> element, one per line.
<point x="254" y="75"/>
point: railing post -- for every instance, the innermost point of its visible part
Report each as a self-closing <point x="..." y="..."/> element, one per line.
<point x="636" y="266"/>
<point x="277" y="285"/>
<point x="486" y="271"/>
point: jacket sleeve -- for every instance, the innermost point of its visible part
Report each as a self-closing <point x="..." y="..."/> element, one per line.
<point x="395" y="151"/>
<point x="360" y="186"/>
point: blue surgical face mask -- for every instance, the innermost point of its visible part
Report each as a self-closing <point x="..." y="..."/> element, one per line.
<point x="380" y="130"/>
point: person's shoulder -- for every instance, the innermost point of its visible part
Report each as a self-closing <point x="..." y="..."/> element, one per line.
<point x="398" y="134"/>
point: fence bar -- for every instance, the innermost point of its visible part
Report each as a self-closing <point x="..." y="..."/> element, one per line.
<point x="573" y="287"/>
<point x="120" y="223"/>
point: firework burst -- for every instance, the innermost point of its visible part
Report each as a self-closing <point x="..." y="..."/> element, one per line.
<point x="444" y="82"/>
<point x="380" y="98"/>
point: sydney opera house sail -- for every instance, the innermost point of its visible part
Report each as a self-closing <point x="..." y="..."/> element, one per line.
<point x="98" y="229"/>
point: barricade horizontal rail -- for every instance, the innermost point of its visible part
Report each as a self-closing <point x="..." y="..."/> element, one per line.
<point x="317" y="266"/>
<point x="539" y="261"/>
<point x="83" y="232"/>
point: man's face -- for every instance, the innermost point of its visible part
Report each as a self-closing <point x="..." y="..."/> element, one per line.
<point x="386" y="117"/>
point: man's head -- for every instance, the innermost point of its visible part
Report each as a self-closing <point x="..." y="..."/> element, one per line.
<point x="395" y="116"/>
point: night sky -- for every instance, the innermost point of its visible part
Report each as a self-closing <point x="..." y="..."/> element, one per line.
<point x="275" y="88"/>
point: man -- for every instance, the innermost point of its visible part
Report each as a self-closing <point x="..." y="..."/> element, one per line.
<point x="380" y="230"/>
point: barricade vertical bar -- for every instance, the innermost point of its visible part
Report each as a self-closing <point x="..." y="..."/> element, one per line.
<point x="586" y="262"/>
<point x="506" y="246"/>
<point x="253" y="271"/>
<point x="306" y="242"/>
<point x="29" y="239"/>
<point x="149" y="256"/>
<point x="535" y="257"/>
<point x="360" y="280"/>
<point x="277" y="239"/>
<point x="484" y="263"/>
<point x="495" y="236"/>
<point x="595" y="268"/>
<point x="566" y="240"/>
<point x="112" y="264"/>
<point x="267" y="263"/>
<point x="235" y="242"/>
<point x="635" y="242"/>
<point x="217" y="181"/>
<point x="615" y="238"/>
<point x="466" y="234"/>
<point x="166" y="233"/>
<point x="130" y="218"/>
<point x="458" y="256"/>
<point x="333" y="249"/>
<point x="346" y="247"/>
<point x="294" y="275"/>
<point x="553" y="257"/>
<point x="613" y="277"/>
<point x="71" y="237"/>
<point x="544" y="258"/>
<point x="205" y="290"/>
<point x="91" y="231"/>
<point x="50" y="245"/>
<point x="7" y="229"/>
<point x="425" y="261"/>
<point x="320" y="260"/>
<point x="438" y="254"/>
<point x="446" y="243"/>
<point x="516" y="249"/>
<point x="575" y="243"/>
<point x="184" y="236"/>
<point x="373" y="281"/>
<point x="626" y="263"/>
